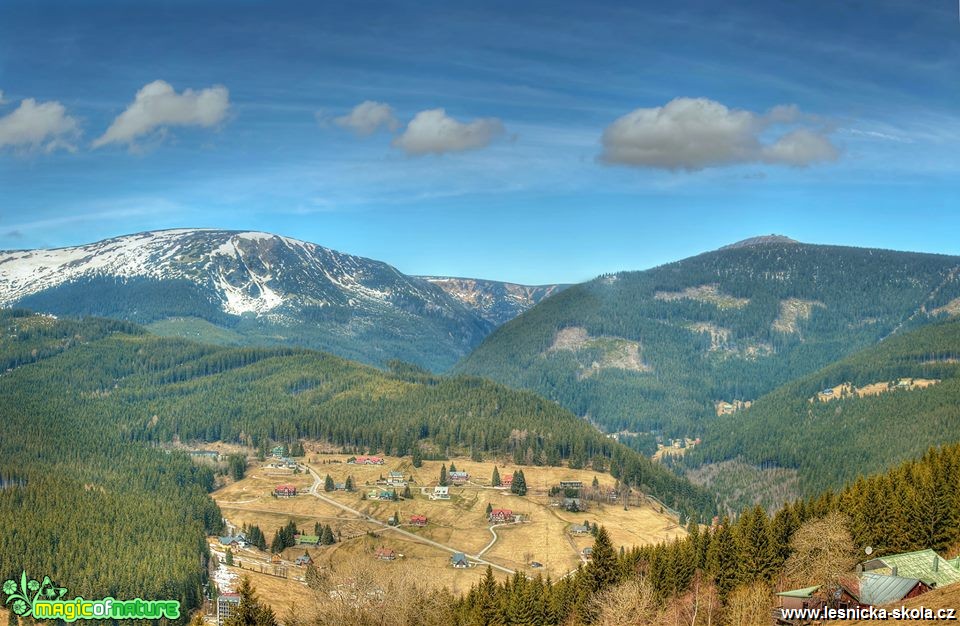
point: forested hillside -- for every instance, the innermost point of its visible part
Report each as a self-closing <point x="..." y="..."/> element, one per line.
<point x="833" y="438"/>
<point x="657" y="349"/>
<point x="78" y="501"/>
<point x="86" y="404"/>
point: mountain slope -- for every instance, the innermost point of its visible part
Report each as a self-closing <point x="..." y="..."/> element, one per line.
<point x="155" y="389"/>
<point x="657" y="349"/>
<point x="495" y="301"/>
<point x="860" y="415"/>
<point x="263" y="288"/>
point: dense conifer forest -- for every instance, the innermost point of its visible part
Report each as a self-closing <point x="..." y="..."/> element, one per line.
<point x="725" y="325"/>
<point x="832" y="442"/>
<point x="93" y="497"/>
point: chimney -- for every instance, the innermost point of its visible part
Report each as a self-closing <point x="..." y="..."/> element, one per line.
<point x="894" y="572"/>
<point x="936" y="563"/>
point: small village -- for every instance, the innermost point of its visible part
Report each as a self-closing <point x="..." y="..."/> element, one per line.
<point x="453" y="518"/>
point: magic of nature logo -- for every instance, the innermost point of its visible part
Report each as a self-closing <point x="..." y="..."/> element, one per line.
<point x="44" y="599"/>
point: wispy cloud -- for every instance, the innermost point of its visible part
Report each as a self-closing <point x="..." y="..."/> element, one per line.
<point x="368" y="117"/>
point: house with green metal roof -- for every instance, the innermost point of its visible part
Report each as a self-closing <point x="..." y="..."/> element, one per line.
<point x="925" y="565"/>
<point x="878" y="589"/>
<point x="308" y="540"/>
<point x="798" y="598"/>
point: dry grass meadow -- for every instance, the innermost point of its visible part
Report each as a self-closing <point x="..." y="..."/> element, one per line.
<point x="459" y="523"/>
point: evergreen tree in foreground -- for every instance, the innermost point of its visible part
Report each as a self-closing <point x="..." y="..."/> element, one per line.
<point x="495" y="479"/>
<point x="250" y="612"/>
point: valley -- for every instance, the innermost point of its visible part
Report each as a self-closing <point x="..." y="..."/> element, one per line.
<point x="716" y="375"/>
<point x="546" y="538"/>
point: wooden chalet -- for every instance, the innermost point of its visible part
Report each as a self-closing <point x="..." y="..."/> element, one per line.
<point x="870" y="589"/>
<point x="366" y="460"/>
<point x="385" y="554"/>
<point x="285" y="491"/>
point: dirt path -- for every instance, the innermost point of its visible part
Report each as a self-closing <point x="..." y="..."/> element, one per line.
<point x="494" y="540"/>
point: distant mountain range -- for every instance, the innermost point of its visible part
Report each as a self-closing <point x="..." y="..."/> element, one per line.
<point x="497" y="302"/>
<point x="656" y="350"/>
<point x="237" y="287"/>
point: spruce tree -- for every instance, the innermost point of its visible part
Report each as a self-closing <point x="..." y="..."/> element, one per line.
<point x="326" y="538"/>
<point x="328" y="483"/>
<point x="349" y="483"/>
<point x="443" y="475"/>
<point x="495" y="479"/>
<point x="722" y="559"/>
<point x="519" y="485"/>
<point x="602" y="569"/>
<point x="228" y="557"/>
<point x="757" y="556"/>
<point x="250" y="612"/>
<point x="417" y="456"/>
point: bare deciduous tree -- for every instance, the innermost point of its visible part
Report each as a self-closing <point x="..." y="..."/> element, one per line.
<point x="749" y="605"/>
<point x="822" y="551"/>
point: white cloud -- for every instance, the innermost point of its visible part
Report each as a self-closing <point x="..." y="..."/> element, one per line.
<point x="695" y="133"/>
<point x="157" y="105"/>
<point x="2" y="100"/>
<point x="434" y="132"/>
<point x="38" y="126"/>
<point x="799" y="148"/>
<point x="367" y="117"/>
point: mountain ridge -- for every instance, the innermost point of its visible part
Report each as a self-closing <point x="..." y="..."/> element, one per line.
<point x="656" y="349"/>
<point x="275" y="289"/>
<point x="494" y="300"/>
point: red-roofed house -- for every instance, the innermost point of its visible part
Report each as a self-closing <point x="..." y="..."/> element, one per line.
<point x="418" y="520"/>
<point x="506" y="480"/>
<point x="501" y="516"/>
<point x="285" y="491"/>
<point x="385" y="554"/>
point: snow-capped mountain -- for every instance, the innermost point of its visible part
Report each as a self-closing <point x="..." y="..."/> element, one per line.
<point x="495" y="301"/>
<point x="258" y="286"/>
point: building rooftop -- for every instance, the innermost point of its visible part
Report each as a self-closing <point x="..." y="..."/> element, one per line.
<point x="876" y="589"/>
<point x="806" y="592"/>
<point x="925" y="565"/>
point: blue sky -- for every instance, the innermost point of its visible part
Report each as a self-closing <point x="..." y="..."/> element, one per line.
<point x="574" y="138"/>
